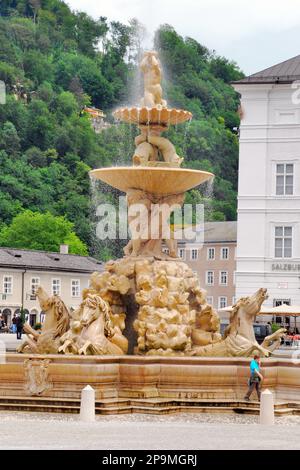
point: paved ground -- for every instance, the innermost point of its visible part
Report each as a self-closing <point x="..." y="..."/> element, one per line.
<point x="10" y="340"/>
<point x="21" y="430"/>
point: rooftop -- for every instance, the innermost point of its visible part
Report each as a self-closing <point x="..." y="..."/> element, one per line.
<point x="284" y="72"/>
<point x="218" y="232"/>
<point x="47" y="261"/>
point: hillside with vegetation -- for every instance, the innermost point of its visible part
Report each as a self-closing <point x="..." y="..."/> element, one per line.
<point x="54" y="62"/>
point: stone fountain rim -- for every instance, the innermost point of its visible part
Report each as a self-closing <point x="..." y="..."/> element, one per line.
<point x="132" y="114"/>
<point x="110" y="176"/>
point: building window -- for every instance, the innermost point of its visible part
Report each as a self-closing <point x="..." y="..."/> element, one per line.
<point x="209" y="278"/>
<point x="224" y="253"/>
<point x="234" y="300"/>
<point x="181" y="253"/>
<point x="194" y="253"/>
<point x="75" y="287"/>
<point x="283" y="242"/>
<point x="284" y="179"/>
<point x="7" y="285"/>
<point x="35" y="282"/>
<point x="210" y="300"/>
<point x="222" y="302"/>
<point x="56" y="286"/>
<point x="223" y="278"/>
<point x="210" y="253"/>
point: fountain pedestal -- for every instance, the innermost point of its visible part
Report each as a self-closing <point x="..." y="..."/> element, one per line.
<point x="143" y="384"/>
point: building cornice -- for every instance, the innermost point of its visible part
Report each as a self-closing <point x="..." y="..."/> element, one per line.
<point x="288" y="274"/>
<point x="268" y="140"/>
<point x="269" y="126"/>
<point x="253" y="86"/>
<point x="13" y="267"/>
<point x="268" y="198"/>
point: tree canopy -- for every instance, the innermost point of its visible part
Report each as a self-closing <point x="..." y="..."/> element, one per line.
<point x="41" y="232"/>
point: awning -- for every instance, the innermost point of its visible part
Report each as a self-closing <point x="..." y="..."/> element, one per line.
<point x="281" y="310"/>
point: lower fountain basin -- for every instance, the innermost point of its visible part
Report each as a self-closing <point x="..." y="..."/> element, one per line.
<point x="151" y="179"/>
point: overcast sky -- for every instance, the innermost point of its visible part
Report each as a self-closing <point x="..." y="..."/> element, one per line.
<point x="254" y="33"/>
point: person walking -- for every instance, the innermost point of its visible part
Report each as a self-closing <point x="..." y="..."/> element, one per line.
<point x="19" y="324"/>
<point x="255" y="378"/>
<point x="14" y="323"/>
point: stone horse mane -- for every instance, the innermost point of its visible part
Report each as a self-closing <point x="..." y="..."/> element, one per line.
<point x="61" y="315"/>
<point x="232" y="327"/>
<point x="95" y="302"/>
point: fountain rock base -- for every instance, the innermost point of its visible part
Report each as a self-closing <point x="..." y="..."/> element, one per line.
<point x="161" y="300"/>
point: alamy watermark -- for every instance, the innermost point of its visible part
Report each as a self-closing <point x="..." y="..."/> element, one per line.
<point x="150" y="221"/>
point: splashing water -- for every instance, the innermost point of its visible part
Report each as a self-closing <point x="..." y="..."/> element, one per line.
<point x="101" y="193"/>
<point x="208" y="194"/>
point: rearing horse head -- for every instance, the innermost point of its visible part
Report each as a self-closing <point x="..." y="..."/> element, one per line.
<point x="251" y="304"/>
<point x="55" y="306"/>
<point x="91" y="308"/>
<point x="248" y="306"/>
<point x="44" y="298"/>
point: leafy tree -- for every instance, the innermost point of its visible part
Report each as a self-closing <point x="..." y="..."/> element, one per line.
<point x="37" y="231"/>
<point x="9" y="139"/>
<point x="36" y="157"/>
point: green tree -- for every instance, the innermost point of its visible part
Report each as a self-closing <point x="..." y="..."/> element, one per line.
<point x="9" y="139"/>
<point x="36" y="231"/>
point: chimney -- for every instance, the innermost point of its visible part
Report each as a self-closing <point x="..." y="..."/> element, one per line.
<point x="64" y="249"/>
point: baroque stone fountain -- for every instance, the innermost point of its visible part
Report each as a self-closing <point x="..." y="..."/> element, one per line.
<point x="147" y="303"/>
<point x="150" y="302"/>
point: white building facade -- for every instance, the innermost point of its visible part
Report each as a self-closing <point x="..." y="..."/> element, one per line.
<point x="268" y="230"/>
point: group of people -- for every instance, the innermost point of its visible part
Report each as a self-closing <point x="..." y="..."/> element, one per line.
<point x="3" y="325"/>
<point x="17" y="325"/>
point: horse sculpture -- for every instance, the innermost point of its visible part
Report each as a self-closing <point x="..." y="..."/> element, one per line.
<point x="239" y="336"/>
<point x="56" y="323"/>
<point x="92" y="330"/>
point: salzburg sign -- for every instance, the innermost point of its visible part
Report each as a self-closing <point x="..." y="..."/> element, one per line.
<point x="286" y="267"/>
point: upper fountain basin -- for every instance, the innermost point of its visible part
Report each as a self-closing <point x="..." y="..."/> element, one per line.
<point x="152" y="179"/>
<point x="152" y="116"/>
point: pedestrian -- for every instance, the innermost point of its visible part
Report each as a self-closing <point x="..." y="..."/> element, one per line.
<point x="255" y="379"/>
<point x="19" y="324"/>
<point x="14" y="323"/>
